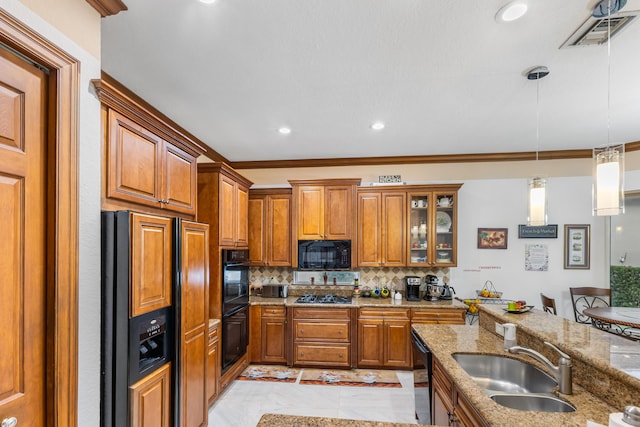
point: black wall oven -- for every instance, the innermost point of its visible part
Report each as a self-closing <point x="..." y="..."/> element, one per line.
<point x="235" y="305"/>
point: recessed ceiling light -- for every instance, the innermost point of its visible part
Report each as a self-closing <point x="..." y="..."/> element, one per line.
<point x="284" y="130"/>
<point x="377" y="125"/>
<point x="511" y="11"/>
<point x="207" y="1"/>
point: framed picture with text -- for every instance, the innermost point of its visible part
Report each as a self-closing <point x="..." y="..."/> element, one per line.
<point x="577" y="242"/>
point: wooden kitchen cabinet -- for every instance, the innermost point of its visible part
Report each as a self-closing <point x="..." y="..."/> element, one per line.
<point x="322" y="337"/>
<point x="213" y="364"/>
<point x="435" y="316"/>
<point x="270" y="227"/>
<point x="384" y="339"/>
<point x="381" y="228"/>
<point x="268" y="334"/>
<point x="151" y="260"/>
<point x="147" y="159"/>
<point x="432" y="226"/>
<point x="450" y="406"/>
<point x="223" y="203"/>
<point x="151" y="399"/>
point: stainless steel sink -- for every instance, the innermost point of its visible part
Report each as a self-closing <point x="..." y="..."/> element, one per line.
<point x="533" y="402"/>
<point x="496" y="373"/>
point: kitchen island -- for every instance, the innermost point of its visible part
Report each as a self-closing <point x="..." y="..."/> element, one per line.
<point x="278" y="420"/>
<point x="601" y="381"/>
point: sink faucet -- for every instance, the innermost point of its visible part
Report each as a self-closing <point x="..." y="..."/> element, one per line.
<point x="562" y="372"/>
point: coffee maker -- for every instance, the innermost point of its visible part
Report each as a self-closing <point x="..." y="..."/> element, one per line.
<point x="412" y="288"/>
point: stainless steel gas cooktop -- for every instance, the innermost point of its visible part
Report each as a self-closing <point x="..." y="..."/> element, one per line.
<point x="323" y="299"/>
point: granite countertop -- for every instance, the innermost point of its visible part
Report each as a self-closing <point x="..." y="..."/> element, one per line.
<point x="278" y="420"/>
<point x="444" y="340"/>
<point x="362" y="302"/>
<point x="214" y="323"/>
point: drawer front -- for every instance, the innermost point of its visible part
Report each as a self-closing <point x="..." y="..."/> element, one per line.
<point x="322" y="313"/>
<point x="399" y="313"/>
<point x="274" y="311"/>
<point x="321" y="355"/>
<point x="448" y="316"/>
<point x="213" y="336"/>
<point x="321" y="331"/>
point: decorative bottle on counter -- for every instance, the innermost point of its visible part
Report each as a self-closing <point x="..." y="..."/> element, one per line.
<point x="325" y="277"/>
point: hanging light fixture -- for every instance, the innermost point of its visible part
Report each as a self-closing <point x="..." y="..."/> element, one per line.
<point x="608" y="161"/>
<point x="537" y="187"/>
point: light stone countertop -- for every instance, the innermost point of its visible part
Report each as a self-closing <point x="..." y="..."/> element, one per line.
<point x="444" y="340"/>
<point x="278" y="420"/>
<point x="214" y="323"/>
<point x="362" y="302"/>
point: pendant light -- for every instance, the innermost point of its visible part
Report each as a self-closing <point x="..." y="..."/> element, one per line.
<point x="537" y="187"/>
<point x="608" y="161"/>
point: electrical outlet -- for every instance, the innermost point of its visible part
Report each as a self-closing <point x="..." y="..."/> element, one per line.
<point x="499" y="329"/>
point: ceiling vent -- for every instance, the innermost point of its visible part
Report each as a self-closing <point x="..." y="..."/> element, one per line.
<point x="595" y="31"/>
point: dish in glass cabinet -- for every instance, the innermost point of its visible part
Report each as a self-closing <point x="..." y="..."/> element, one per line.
<point x="443" y="221"/>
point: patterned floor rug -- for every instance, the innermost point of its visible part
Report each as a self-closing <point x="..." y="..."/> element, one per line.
<point x="353" y="377"/>
<point x="281" y="374"/>
<point x="420" y="378"/>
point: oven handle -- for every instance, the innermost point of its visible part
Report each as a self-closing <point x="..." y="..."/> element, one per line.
<point x="235" y="310"/>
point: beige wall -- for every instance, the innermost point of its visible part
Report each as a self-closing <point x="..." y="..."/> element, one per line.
<point x="74" y="18"/>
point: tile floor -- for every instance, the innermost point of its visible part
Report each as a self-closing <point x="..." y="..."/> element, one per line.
<point x="244" y="402"/>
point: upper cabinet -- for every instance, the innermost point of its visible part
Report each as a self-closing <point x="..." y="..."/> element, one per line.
<point x="270" y="227"/>
<point x="433" y="226"/>
<point x="223" y="196"/>
<point x="324" y="209"/>
<point x="381" y="228"/>
<point x="407" y="225"/>
<point x="147" y="159"/>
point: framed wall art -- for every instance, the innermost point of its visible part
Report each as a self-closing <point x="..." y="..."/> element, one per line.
<point x="492" y="238"/>
<point x="577" y="242"/>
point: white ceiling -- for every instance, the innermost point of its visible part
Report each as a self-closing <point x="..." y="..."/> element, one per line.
<point x="444" y="76"/>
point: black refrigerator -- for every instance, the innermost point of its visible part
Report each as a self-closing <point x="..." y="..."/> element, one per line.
<point x="147" y="262"/>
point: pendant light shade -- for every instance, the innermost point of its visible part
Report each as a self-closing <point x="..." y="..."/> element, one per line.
<point x="537" y="202"/>
<point x="608" y="182"/>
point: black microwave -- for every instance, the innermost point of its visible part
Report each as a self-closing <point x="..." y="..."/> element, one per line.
<point x="324" y="254"/>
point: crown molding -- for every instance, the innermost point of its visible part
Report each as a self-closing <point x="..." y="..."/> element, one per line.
<point x="107" y="7"/>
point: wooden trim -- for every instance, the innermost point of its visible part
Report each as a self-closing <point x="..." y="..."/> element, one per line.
<point x="108" y="7"/>
<point x="337" y="181"/>
<point x="62" y="291"/>
<point x="262" y="191"/>
<point x="428" y="159"/>
<point x="116" y="96"/>
<point x="224" y="169"/>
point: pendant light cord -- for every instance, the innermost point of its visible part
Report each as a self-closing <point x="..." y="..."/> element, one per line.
<point x="537" y="116"/>
<point x="609" y="74"/>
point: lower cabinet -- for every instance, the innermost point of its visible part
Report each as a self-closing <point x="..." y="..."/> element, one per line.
<point x="384" y="338"/>
<point x="213" y="364"/>
<point x="450" y="407"/>
<point x="268" y="332"/>
<point x="322" y="337"/>
<point x="150" y="399"/>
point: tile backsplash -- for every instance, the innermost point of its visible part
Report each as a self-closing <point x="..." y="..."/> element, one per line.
<point x="391" y="277"/>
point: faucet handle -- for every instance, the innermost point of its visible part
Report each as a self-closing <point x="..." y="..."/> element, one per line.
<point x="560" y="352"/>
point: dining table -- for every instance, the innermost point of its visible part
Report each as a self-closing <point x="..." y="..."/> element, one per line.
<point x="624" y="321"/>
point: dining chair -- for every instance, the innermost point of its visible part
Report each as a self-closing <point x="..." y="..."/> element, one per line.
<point x="587" y="297"/>
<point x="548" y="304"/>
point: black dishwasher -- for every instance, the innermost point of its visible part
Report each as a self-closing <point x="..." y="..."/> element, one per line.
<point x="423" y="403"/>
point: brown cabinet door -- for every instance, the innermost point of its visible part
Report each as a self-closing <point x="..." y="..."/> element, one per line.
<point x="279" y="230"/>
<point x="273" y="346"/>
<point x="310" y="212"/>
<point x="151" y="399"/>
<point x="134" y="162"/>
<point x="369" y="227"/>
<point x="370" y="342"/>
<point x="180" y="175"/>
<point x="213" y="361"/>
<point x="242" y="219"/>
<point x="151" y="246"/>
<point x="441" y="408"/>
<point x="397" y="343"/>
<point x="393" y="229"/>
<point x="227" y="212"/>
<point x="257" y="231"/>
<point x="338" y="212"/>
<point x="464" y="413"/>
<point x="194" y="323"/>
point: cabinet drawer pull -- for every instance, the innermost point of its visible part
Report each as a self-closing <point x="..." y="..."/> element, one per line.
<point x="340" y="355"/>
<point x="302" y="353"/>
<point x="301" y="331"/>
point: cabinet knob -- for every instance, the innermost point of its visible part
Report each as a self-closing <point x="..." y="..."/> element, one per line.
<point x="302" y="353"/>
<point x="9" y="422"/>
<point x="340" y="355"/>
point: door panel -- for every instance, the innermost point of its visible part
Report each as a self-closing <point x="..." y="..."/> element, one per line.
<point x="22" y="265"/>
<point x="179" y="180"/>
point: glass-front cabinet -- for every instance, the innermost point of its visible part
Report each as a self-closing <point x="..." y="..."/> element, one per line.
<point x="432" y="223"/>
